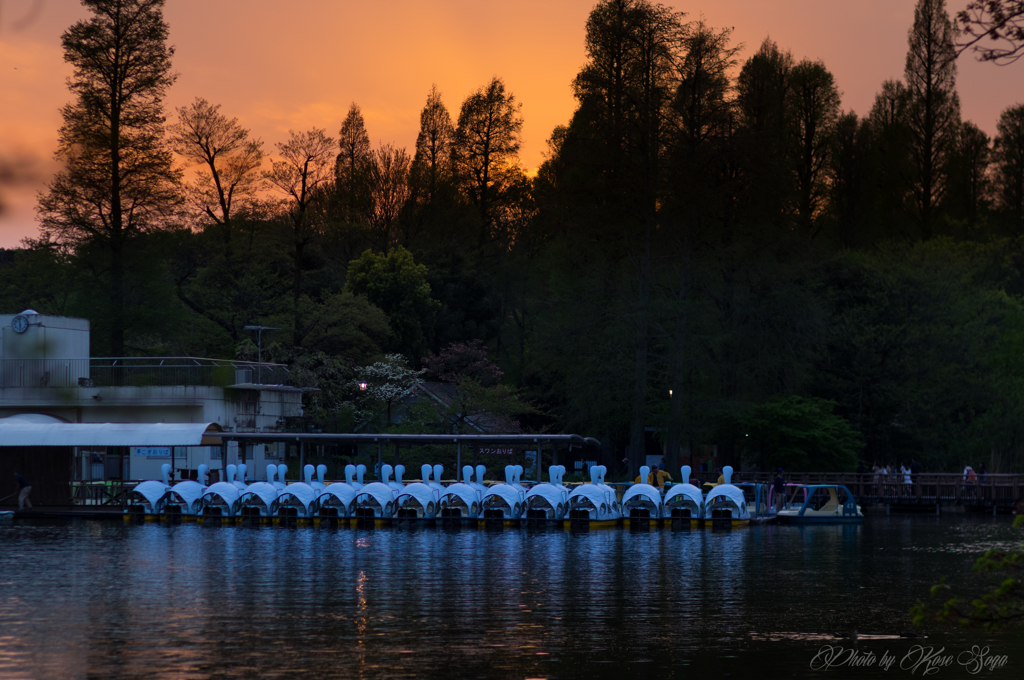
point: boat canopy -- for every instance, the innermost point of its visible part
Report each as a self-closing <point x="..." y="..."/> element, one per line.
<point x="729" y="491"/>
<point x="226" y="491"/>
<point x="688" y="491"/>
<point x="152" y="491"/>
<point x="264" y="492"/>
<point x="19" y="432"/>
<point x="301" y="492"/>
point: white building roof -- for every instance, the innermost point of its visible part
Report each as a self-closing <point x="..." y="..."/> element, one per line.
<point x="21" y="433"/>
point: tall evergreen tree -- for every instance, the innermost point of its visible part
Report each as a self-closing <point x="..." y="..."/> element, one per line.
<point x="813" y="109"/>
<point x="891" y="141"/>
<point x="350" y="167"/>
<point x="933" y="108"/>
<point x="118" y="180"/>
<point x="487" y="141"/>
<point x="851" y="178"/>
<point x="767" y="187"/>
<point x="431" y="166"/>
<point x="625" y="91"/>
<point x="967" y="195"/>
<point x="1008" y="159"/>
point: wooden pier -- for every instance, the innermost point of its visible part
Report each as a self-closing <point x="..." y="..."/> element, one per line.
<point x="993" y="492"/>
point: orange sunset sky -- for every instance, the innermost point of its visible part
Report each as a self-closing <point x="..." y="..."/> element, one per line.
<point x="295" y="65"/>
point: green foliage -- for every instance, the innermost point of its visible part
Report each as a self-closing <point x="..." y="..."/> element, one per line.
<point x="1000" y="606"/>
<point x="802" y="433"/>
<point x="397" y="285"/>
<point x="912" y="347"/>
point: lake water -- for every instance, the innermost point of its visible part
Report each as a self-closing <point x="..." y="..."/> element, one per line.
<point x="85" y="599"/>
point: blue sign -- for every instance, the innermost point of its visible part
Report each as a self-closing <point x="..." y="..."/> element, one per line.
<point x="153" y="451"/>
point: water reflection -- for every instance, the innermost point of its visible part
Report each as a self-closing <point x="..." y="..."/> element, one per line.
<point x="93" y="600"/>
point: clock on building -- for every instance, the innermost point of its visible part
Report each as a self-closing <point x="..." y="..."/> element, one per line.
<point x="20" y="323"/>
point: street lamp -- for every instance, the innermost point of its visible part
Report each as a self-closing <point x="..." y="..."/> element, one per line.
<point x="259" y="348"/>
<point x="363" y="386"/>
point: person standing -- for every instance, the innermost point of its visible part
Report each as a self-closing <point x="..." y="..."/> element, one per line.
<point x="915" y="470"/>
<point x="779" y="489"/>
<point x="660" y="476"/>
<point x="25" y="489"/>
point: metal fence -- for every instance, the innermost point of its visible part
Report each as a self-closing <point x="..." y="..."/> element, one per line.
<point x="137" y="372"/>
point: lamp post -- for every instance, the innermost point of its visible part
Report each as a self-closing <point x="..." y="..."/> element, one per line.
<point x="259" y="348"/>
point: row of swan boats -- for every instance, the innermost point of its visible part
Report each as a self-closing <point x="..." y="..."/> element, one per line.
<point x="471" y="501"/>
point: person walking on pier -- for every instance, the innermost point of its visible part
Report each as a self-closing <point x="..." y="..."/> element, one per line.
<point x="915" y="470"/>
<point x="25" y="489"/>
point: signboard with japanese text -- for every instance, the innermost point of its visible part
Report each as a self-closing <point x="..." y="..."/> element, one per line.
<point x="497" y="450"/>
<point x="153" y="451"/>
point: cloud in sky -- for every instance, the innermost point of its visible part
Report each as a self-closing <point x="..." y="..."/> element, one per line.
<point x="279" y="66"/>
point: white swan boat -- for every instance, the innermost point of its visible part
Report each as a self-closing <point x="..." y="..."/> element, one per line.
<point x="296" y="504"/>
<point x="181" y="502"/>
<point x="145" y="500"/>
<point x="547" y="503"/>
<point x="375" y="502"/>
<point x="419" y="500"/>
<point x="684" y="503"/>
<point x="219" y="503"/>
<point x="641" y="503"/>
<point x="593" y="505"/>
<point x="256" y="503"/>
<point x="462" y="501"/>
<point x="336" y="503"/>
<point x="504" y="504"/>
<point x="725" y="506"/>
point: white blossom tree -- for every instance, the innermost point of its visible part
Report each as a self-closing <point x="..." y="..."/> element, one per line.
<point x="379" y="385"/>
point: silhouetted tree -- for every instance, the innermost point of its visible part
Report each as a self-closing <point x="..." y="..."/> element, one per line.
<point x="118" y="180"/>
<point x="431" y="166"/>
<point x="851" y="178"/>
<point x="813" y="110"/>
<point x="999" y="21"/>
<point x="350" y="166"/>
<point x="230" y="176"/>
<point x="933" y="108"/>
<point x="625" y="91"/>
<point x="762" y="93"/>
<point x="387" y="179"/>
<point x="967" y="195"/>
<point x="892" y="141"/>
<point x="301" y="174"/>
<point x="487" y="140"/>
<point x="1008" y="162"/>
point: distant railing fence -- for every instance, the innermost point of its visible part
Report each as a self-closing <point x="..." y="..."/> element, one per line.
<point x="137" y="372"/>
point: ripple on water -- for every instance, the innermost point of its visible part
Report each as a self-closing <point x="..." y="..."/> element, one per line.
<point x="84" y="599"/>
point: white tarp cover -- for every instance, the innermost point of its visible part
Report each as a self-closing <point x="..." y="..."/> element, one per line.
<point x="21" y="433"/>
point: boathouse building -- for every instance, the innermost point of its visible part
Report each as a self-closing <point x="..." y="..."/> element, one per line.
<point x="49" y="384"/>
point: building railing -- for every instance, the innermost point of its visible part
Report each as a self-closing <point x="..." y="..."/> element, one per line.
<point x="138" y="372"/>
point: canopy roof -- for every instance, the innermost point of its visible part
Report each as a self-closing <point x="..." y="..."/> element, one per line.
<point x="21" y="433"/>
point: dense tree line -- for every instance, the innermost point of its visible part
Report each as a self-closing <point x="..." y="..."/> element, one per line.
<point x="712" y="247"/>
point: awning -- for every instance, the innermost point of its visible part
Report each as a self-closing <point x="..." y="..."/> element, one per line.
<point x="108" y="434"/>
